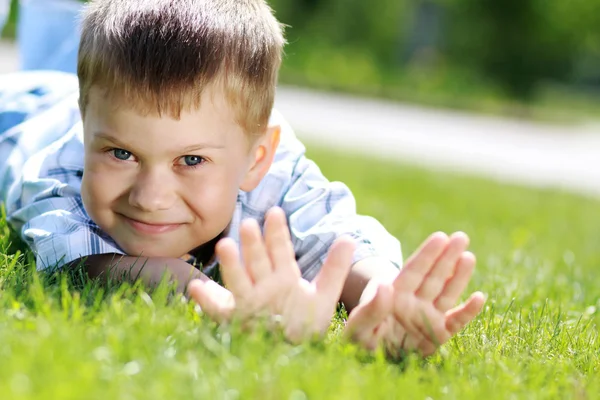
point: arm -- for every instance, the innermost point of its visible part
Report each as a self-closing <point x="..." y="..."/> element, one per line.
<point x="150" y="270"/>
<point x="364" y="278"/>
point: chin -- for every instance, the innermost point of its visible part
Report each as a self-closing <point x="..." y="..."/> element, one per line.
<point x="136" y="251"/>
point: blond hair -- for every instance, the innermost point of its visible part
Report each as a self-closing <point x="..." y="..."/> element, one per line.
<point x="158" y="56"/>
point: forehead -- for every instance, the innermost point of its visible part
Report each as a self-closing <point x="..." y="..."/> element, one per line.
<point x="213" y="119"/>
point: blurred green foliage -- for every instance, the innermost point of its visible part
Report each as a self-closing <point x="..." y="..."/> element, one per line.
<point x="521" y="43"/>
<point x="11" y="24"/>
<point x="510" y="47"/>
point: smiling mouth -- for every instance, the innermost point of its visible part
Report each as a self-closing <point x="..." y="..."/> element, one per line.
<point x="150" y="228"/>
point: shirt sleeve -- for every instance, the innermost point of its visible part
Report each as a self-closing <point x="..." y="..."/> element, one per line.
<point x="36" y="109"/>
<point x="320" y="211"/>
<point x="45" y="206"/>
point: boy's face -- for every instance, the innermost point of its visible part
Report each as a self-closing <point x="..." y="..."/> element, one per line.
<point x="161" y="187"/>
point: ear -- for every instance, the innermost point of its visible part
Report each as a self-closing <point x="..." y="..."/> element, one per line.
<point x="264" y="153"/>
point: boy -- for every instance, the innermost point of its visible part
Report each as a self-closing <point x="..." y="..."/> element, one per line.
<point x="179" y="156"/>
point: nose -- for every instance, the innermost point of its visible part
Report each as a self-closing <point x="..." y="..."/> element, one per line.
<point x="152" y="191"/>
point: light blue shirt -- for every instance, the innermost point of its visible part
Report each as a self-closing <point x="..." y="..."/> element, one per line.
<point x="41" y="144"/>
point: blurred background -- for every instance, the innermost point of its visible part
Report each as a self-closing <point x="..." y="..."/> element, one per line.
<point x="524" y="58"/>
<point x="500" y="56"/>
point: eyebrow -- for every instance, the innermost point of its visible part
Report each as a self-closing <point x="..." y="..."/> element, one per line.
<point x="109" y="138"/>
<point x="199" y="146"/>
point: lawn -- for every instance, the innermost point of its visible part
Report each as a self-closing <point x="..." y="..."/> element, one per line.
<point x="65" y="338"/>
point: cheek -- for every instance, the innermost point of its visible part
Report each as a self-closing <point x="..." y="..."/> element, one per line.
<point x="101" y="186"/>
<point x="214" y="194"/>
<point x="95" y="199"/>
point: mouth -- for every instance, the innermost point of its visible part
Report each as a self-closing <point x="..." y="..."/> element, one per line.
<point x="151" y="228"/>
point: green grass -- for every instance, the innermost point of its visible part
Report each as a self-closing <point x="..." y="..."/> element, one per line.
<point x="65" y="338"/>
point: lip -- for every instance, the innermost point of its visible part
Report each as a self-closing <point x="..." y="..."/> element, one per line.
<point x="150" y="228"/>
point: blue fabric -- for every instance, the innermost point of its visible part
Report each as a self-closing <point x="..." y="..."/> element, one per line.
<point x="48" y="34"/>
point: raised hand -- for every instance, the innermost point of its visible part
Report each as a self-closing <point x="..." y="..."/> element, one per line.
<point x="266" y="281"/>
<point x="414" y="311"/>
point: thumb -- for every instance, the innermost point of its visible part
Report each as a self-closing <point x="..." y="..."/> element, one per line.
<point x="460" y="316"/>
<point x="214" y="300"/>
<point x="364" y="319"/>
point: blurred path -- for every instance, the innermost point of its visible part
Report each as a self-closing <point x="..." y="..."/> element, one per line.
<point x="514" y="151"/>
<point x="566" y="157"/>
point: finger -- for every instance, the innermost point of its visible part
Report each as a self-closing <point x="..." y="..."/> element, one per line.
<point x="279" y="242"/>
<point x="459" y="317"/>
<point x="331" y="278"/>
<point x="364" y="320"/>
<point x="214" y="300"/>
<point x="457" y="283"/>
<point x="235" y="276"/>
<point x="420" y="263"/>
<point x="443" y="269"/>
<point x="254" y="252"/>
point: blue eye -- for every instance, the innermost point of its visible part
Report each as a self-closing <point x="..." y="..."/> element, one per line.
<point x="193" y="161"/>
<point x="121" y="154"/>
